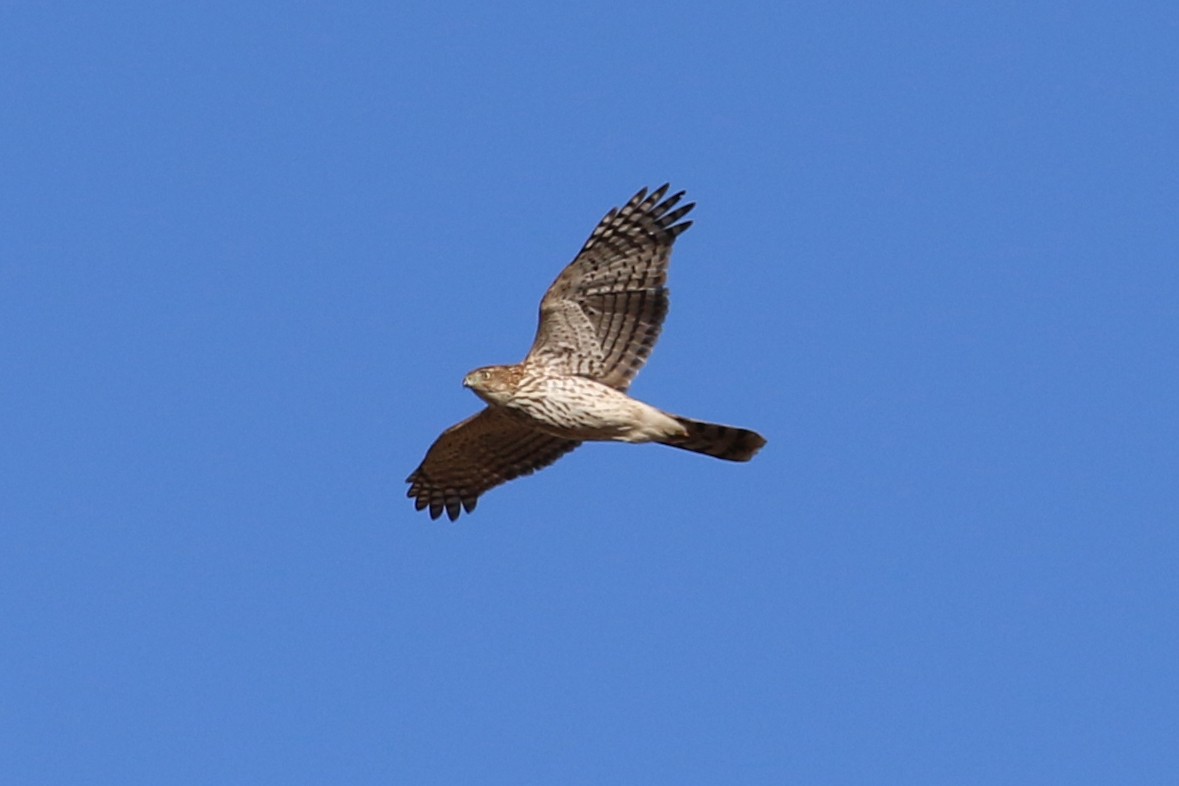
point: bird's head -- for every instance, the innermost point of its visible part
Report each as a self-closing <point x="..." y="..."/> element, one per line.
<point x="493" y="384"/>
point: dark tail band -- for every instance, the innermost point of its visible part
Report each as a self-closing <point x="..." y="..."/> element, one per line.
<point x="712" y="439"/>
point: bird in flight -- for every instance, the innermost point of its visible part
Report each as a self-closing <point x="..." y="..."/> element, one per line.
<point x="598" y="323"/>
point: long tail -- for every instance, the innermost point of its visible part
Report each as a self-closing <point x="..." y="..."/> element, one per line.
<point x="712" y="439"/>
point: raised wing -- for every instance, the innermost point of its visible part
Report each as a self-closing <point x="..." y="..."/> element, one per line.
<point x="478" y="454"/>
<point x="603" y="314"/>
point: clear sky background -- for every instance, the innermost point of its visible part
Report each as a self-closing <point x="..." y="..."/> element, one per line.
<point x="248" y="252"/>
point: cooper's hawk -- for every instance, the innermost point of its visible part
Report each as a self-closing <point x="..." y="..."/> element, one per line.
<point x="598" y="323"/>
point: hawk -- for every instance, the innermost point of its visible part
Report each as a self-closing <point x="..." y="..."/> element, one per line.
<point x="598" y="323"/>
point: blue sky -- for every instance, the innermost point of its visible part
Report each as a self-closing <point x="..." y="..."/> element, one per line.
<point x="249" y="251"/>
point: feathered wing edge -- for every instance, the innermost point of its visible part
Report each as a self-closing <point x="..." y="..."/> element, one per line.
<point x="603" y="314"/>
<point x="476" y="455"/>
